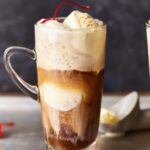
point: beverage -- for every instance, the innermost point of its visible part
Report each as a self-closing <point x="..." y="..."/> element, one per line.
<point x="69" y="54"/>
<point x="70" y="65"/>
<point x="70" y="124"/>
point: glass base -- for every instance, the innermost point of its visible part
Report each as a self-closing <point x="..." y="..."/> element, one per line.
<point x="90" y="147"/>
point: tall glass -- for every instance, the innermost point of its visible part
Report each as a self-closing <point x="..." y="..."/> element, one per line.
<point x="148" y="41"/>
<point x="70" y="67"/>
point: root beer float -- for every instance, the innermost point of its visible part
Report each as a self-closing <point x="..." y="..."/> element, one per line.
<point x="70" y="63"/>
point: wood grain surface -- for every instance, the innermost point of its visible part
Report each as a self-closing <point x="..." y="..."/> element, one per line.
<point x="28" y="134"/>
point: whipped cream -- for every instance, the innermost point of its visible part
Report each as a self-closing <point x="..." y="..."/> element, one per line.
<point x="68" y="49"/>
<point x="52" y="24"/>
<point x="61" y="99"/>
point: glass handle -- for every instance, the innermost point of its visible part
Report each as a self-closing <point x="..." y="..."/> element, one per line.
<point x="28" y="89"/>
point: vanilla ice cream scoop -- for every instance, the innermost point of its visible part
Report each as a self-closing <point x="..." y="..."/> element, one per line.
<point x="60" y="98"/>
<point x="77" y="20"/>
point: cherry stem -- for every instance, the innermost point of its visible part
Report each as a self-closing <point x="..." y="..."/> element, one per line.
<point x="62" y="4"/>
<point x="70" y="3"/>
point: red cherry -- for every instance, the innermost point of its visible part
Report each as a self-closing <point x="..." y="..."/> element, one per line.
<point x="62" y="4"/>
<point x="1" y="130"/>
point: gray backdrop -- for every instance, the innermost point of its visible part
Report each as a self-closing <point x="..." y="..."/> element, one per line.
<point x="126" y="61"/>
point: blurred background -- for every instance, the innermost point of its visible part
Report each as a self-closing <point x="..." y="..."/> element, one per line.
<point x="126" y="51"/>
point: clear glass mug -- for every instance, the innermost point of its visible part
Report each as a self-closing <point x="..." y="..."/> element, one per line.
<point x="148" y="41"/>
<point x="70" y="66"/>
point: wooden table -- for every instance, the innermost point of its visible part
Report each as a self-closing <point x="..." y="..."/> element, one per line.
<point x="27" y="132"/>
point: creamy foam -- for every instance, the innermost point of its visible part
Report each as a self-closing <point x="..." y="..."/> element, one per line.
<point x="65" y="49"/>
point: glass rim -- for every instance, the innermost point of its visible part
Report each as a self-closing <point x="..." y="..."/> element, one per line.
<point x="100" y="27"/>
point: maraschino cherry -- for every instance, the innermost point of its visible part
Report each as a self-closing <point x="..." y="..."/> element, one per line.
<point x="60" y="5"/>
